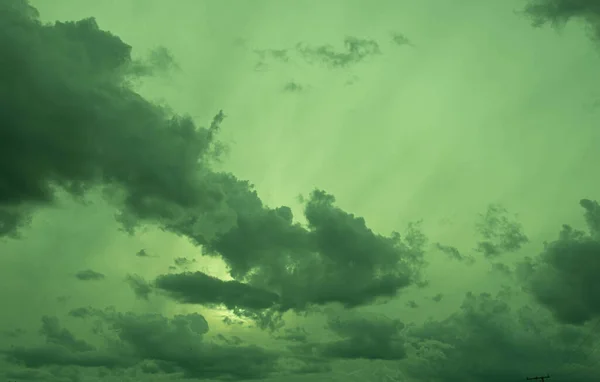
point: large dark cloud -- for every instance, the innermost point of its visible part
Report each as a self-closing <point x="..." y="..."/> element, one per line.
<point x="57" y="335"/>
<point x="366" y="338"/>
<point x="151" y="342"/>
<point x="559" y="12"/>
<point x="335" y="259"/>
<point x="565" y="275"/>
<point x="71" y="120"/>
<point x="200" y="288"/>
<point x="496" y="339"/>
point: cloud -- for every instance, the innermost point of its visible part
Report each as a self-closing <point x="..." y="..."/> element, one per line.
<point x="496" y="339"/>
<point x="355" y="50"/>
<point x="454" y="253"/>
<point x="293" y="87"/>
<point x="366" y="338"/>
<point x="200" y="288"/>
<point x="559" y="12"/>
<point x="75" y="123"/>
<point x="142" y="253"/>
<point x="401" y="40"/>
<point x="140" y="287"/>
<point x="182" y="262"/>
<point x="152" y="342"/>
<point x="500" y="232"/>
<point x="564" y="277"/>
<point x="72" y="121"/>
<point x="54" y="334"/>
<point x="89" y="275"/>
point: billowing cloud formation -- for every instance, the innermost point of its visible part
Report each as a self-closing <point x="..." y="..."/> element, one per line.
<point x="57" y="335"/>
<point x="565" y="276"/>
<point x="200" y="288"/>
<point x="487" y="340"/>
<point x="152" y="342"/>
<point x="366" y="338"/>
<point x="559" y="12"/>
<point x="72" y="121"/>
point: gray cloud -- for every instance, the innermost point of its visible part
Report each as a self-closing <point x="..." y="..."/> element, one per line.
<point x="140" y="287"/>
<point x="501" y="233"/>
<point x="200" y="288"/>
<point x="487" y="339"/>
<point x="366" y="338"/>
<point x="156" y="344"/>
<point x="559" y="12"/>
<point x="564" y="277"/>
<point x="89" y="275"/>
<point x="355" y="50"/>
<point x="454" y="253"/>
<point x="74" y="123"/>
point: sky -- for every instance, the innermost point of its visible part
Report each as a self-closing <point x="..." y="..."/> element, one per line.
<point x="299" y="191"/>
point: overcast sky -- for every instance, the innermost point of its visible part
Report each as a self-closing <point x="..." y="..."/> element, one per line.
<point x="346" y="190"/>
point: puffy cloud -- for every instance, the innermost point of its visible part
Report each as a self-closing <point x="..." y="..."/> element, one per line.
<point x="74" y="122"/>
<point x="559" y="12"/>
<point x="151" y="342"/>
<point x="565" y="275"/>
<point x="498" y="339"/>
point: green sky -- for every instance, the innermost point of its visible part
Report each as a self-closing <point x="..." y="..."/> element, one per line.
<point x="297" y="190"/>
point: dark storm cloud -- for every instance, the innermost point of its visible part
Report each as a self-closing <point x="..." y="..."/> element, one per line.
<point x="200" y="288"/>
<point x="62" y="349"/>
<point x="366" y="338"/>
<point x="57" y="335"/>
<point x="72" y="121"/>
<point x="89" y="275"/>
<point x="564" y="277"/>
<point x="559" y="12"/>
<point x="490" y="340"/>
<point x="155" y="344"/>
<point x="355" y="50"/>
<point x="336" y="258"/>
<point x="500" y="232"/>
